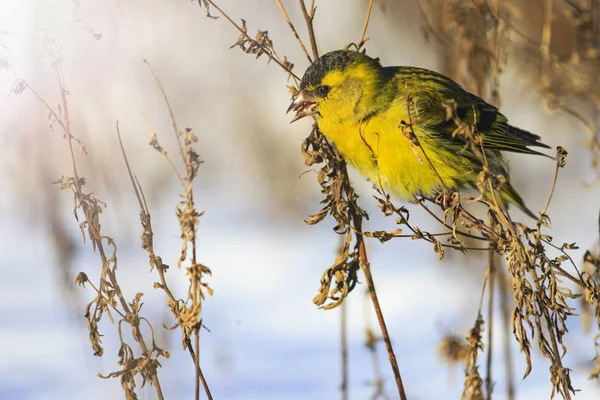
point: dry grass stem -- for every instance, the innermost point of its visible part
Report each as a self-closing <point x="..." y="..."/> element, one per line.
<point x="308" y="19"/>
<point x="109" y="298"/>
<point x="344" y="350"/>
<point x="363" y="36"/>
<point x="491" y="291"/>
<point x="109" y="295"/>
<point x="187" y="312"/>
<point x="371" y="341"/>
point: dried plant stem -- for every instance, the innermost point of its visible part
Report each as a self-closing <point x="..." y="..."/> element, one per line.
<point x="366" y="268"/>
<point x="197" y="361"/>
<point x="363" y="38"/>
<point x="96" y="236"/>
<point x="308" y="18"/>
<point x="239" y="28"/>
<point x="195" y="290"/>
<point x="465" y="234"/>
<point x="505" y="313"/>
<point x="171" y="114"/>
<point x="556" y="361"/>
<point x="384" y="332"/>
<point x="144" y="212"/>
<point x="343" y="337"/>
<point x="287" y="19"/>
<point x="491" y="291"/>
<point x="204" y="384"/>
<point x="344" y="350"/>
<point x="198" y="369"/>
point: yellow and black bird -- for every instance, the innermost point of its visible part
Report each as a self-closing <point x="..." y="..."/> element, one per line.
<point x="362" y="108"/>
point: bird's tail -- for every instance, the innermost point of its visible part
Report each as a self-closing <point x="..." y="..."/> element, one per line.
<point x="509" y="195"/>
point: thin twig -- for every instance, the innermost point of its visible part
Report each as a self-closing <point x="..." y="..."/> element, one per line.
<point x="193" y="355"/>
<point x="465" y="234"/>
<point x="308" y="18"/>
<point x="160" y="269"/>
<point x="556" y="360"/>
<point x="545" y="210"/>
<point x="491" y="291"/>
<point x="96" y="236"/>
<point x="197" y="361"/>
<point x="505" y="313"/>
<point x="166" y="155"/>
<point x="363" y="40"/>
<point x="287" y="19"/>
<point x="344" y="350"/>
<point x="366" y="268"/>
<point x="239" y="28"/>
<point x="144" y="210"/>
<point x="166" y="99"/>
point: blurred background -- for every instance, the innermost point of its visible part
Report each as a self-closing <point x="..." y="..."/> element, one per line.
<point x="267" y="340"/>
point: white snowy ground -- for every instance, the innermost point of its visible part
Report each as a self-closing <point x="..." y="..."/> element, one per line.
<point x="268" y="340"/>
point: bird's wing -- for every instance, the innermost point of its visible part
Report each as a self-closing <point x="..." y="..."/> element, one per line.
<point x="434" y="89"/>
<point x="493" y="127"/>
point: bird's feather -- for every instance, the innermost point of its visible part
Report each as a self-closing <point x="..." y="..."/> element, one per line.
<point x="434" y="89"/>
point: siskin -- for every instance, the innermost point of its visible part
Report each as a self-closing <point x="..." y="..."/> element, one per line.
<point x="392" y="125"/>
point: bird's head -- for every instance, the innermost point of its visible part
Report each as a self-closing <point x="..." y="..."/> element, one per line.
<point x="338" y="86"/>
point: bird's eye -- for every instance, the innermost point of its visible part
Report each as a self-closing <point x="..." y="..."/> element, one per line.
<point x="323" y="90"/>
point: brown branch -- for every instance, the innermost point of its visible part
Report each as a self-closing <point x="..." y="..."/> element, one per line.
<point x="505" y="313"/>
<point x="465" y="234"/>
<point x="291" y="25"/>
<point x="239" y="28"/>
<point x="96" y="235"/>
<point x="160" y="268"/>
<point x="344" y="349"/>
<point x="363" y="40"/>
<point x="490" y="326"/>
<point x="366" y="268"/>
<point x="308" y="18"/>
<point x="197" y="362"/>
<point x="199" y="370"/>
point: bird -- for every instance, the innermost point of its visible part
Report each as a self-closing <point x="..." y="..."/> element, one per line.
<point x="398" y="126"/>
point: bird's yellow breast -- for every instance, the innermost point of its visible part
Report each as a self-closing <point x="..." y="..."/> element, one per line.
<point x="380" y="150"/>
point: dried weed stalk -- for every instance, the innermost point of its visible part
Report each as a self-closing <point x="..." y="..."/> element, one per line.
<point x="370" y="343"/>
<point x="187" y="312"/>
<point x="473" y="389"/>
<point x="143" y="361"/>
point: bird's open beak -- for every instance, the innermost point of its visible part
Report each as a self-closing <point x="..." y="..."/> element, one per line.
<point x="303" y="107"/>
